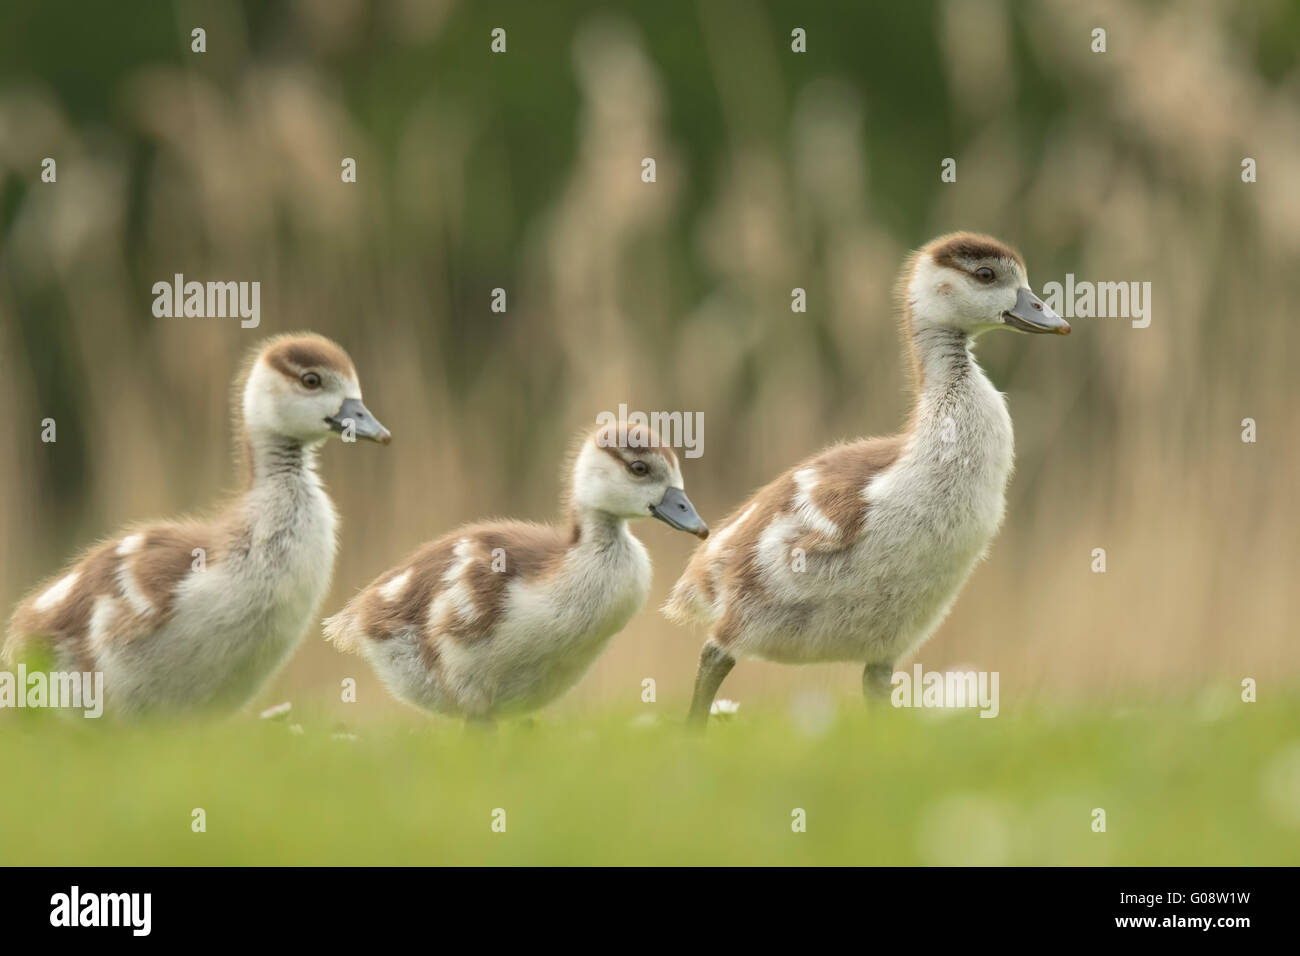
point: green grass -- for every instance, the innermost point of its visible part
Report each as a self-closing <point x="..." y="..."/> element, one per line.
<point x="1181" y="783"/>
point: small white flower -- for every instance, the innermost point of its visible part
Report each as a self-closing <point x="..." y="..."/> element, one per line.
<point x="724" y="708"/>
<point x="276" y="712"/>
<point x="295" y="728"/>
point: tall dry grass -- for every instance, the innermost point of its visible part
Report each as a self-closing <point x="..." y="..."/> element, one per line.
<point x="677" y="296"/>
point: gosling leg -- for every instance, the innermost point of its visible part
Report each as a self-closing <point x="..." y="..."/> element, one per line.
<point x="877" y="683"/>
<point x="715" y="665"/>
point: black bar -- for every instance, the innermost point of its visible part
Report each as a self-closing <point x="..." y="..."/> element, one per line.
<point x="297" y="906"/>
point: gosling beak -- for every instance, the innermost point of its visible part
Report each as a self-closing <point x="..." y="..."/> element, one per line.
<point x="1031" y="314"/>
<point x="364" y="425"/>
<point x="676" y="511"/>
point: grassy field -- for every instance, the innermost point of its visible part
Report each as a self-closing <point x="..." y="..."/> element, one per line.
<point x="1205" y="781"/>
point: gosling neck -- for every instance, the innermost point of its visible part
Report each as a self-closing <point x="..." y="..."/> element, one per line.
<point x="275" y="460"/>
<point x="596" y="529"/>
<point x="942" y="357"/>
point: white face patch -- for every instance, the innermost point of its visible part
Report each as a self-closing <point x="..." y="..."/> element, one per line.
<point x="944" y="297"/>
<point x="602" y="482"/>
<point x="275" y="403"/>
<point x="675" y="477"/>
<point x="130" y="544"/>
<point x="58" y="592"/>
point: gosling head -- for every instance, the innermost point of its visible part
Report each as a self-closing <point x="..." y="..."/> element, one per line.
<point x="304" y="387"/>
<point x="632" y="473"/>
<point x="974" y="283"/>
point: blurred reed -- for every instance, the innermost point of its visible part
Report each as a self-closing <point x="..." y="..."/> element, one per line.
<point x="775" y="170"/>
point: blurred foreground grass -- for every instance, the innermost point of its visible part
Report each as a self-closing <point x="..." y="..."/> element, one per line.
<point x="1210" y="781"/>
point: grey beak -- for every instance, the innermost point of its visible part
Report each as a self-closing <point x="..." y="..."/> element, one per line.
<point x="676" y="511"/>
<point x="364" y="425"/>
<point x="1031" y="314"/>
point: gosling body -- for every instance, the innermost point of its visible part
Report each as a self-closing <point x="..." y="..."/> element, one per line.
<point x="858" y="553"/>
<point x="502" y="618"/>
<point x="196" y="615"/>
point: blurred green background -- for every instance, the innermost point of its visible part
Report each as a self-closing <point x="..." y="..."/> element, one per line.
<point x="775" y="170"/>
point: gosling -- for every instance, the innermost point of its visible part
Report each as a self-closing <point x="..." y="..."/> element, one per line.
<point x="502" y="618"/>
<point x="197" y="615"/>
<point x="858" y="553"/>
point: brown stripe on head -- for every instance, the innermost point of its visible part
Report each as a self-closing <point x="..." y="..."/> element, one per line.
<point x="292" y="355"/>
<point x="632" y="441"/>
<point x="964" y="250"/>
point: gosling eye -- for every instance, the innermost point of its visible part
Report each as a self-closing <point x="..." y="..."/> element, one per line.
<point x="985" y="274"/>
<point x="639" y="468"/>
<point x="310" y="379"/>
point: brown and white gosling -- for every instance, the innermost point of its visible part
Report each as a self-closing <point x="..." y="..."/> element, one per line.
<point x="858" y="553"/>
<point x="198" y="615"/>
<point x="502" y="618"/>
